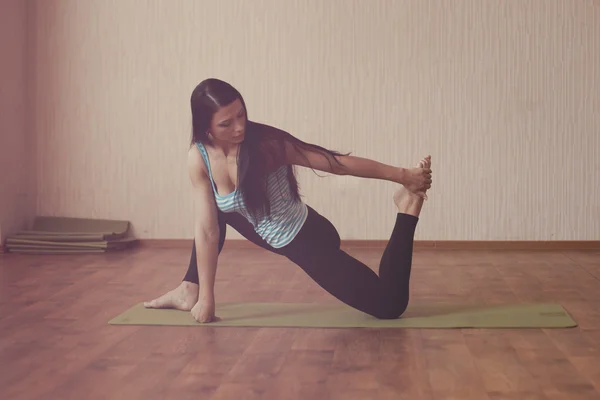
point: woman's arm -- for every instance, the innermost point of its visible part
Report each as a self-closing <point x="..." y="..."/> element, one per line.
<point x="417" y="180"/>
<point x="287" y="149"/>
<point x="349" y="165"/>
<point x="206" y="236"/>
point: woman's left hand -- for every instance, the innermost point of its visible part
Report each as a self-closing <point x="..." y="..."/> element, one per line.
<point x="204" y="311"/>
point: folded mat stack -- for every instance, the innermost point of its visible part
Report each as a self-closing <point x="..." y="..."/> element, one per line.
<point x="65" y="235"/>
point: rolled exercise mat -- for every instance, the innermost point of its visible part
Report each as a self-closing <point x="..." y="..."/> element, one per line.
<point x="309" y="315"/>
<point x="74" y="226"/>
<point x="67" y="235"/>
<point x="63" y="237"/>
<point x="116" y="244"/>
<point x="39" y="251"/>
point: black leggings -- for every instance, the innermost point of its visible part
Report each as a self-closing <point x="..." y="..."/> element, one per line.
<point x="316" y="249"/>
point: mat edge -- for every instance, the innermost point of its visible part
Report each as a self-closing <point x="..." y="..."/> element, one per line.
<point x="532" y="245"/>
<point x="572" y="324"/>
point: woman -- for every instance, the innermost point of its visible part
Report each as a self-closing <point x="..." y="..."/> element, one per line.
<point x="242" y="175"/>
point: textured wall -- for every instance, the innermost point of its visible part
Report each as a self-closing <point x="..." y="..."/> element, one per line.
<point x="505" y="95"/>
<point x="17" y="157"/>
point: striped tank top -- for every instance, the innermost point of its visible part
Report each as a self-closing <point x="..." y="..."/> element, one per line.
<point x="287" y="214"/>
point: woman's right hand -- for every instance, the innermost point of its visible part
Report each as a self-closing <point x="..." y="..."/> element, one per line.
<point x="204" y="311"/>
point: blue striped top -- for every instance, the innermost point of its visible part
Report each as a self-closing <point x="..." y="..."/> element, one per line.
<point x="287" y="214"/>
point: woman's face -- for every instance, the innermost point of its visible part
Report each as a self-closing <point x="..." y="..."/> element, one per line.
<point x="229" y="123"/>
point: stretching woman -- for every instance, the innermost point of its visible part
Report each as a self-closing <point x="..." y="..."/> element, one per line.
<point x="242" y="176"/>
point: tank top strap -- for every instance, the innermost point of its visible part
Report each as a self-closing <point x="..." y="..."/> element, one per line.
<point x="204" y="154"/>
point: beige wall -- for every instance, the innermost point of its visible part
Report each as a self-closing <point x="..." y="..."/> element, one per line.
<point x="505" y="95"/>
<point x="17" y="162"/>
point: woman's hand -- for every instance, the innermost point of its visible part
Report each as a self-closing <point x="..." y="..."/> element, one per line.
<point x="417" y="180"/>
<point x="204" y="311"/>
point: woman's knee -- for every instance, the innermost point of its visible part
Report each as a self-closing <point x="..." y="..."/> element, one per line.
<point x="391" y="310"/>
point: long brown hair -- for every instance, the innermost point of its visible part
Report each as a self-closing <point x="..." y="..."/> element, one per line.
<point x="261" y="152"/>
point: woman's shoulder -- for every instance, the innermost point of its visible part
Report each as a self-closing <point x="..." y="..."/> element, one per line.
<point x="269" y="142"/>
<point x="195" y="161"/>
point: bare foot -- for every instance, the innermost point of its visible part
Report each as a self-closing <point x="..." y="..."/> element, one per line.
<point x="183" y="298"/>
<point x="408" y="202"/>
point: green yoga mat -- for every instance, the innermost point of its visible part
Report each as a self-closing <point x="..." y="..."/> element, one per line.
<point x="340" y="316"/>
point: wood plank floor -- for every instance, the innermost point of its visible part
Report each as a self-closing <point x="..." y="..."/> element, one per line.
<point x="55" y="342"/>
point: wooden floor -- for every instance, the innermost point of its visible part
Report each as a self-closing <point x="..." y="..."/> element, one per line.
<point x="55" y="342"/>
